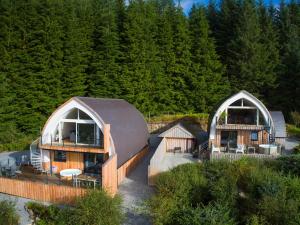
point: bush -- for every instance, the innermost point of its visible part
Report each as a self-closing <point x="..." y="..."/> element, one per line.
<point x="96" y="208"/>
<point x="247" y="191"/>
<point x="293" y="130"/>
<point x="8" y="215"/>
<point x="296" y="118"/>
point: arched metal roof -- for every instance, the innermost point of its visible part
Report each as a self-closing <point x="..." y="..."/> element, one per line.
<point x="241" y="95"/>
<point x="129" y="132"/>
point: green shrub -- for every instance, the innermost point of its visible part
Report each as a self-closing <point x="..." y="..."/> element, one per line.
<point x="289" y="164"/>
<point x="247" y="191"/>
<point x="296" y="150"/>
<point x="49" y="215"/>
<point x="296" y="118"/>
<point x="96" y="208"/>
<point x="8" y="215"/>
<point x="292" y="130"/>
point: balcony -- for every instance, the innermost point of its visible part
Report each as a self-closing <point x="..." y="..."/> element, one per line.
<point x="76" y="142"/>
<point x="240" y="127"/>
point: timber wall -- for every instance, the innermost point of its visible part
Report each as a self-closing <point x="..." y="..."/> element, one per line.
<point x="243" y="137"/>
<point x="110" y="176"/>
<point x="74" y="161"/>
<point x="128" y="166"/>
<point x="41" y="192"/>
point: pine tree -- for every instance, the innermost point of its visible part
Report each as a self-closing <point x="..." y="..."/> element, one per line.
<point x="77" y="47"/>
<point x="288" y="23"/>
<point x="181" y="71"/>
<point x="249" y="62"/>
<point x="228" y="18"/>
<point x="166" y="53"/>
<point x="208" y="84"/>
<point x="269" y="39"/>
<point x="104" y="69"/>
<point x="142" y="69"/>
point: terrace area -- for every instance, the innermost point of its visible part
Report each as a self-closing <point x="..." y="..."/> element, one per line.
<point x="25" y="172"/>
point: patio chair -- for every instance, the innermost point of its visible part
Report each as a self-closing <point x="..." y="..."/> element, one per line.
<point x="215" y="149"/>
<point x="240" y="149"/>
<point x="251" y="149"/>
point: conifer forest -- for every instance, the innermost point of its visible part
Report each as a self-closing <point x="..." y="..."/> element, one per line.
<point x="150" y="52"/>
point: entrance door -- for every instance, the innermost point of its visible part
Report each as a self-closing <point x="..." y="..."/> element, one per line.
<point x="229" y="138"/>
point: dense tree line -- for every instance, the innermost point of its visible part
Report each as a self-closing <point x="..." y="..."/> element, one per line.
<point x="148" y="52"/>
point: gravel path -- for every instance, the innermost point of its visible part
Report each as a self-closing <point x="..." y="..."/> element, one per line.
<point x="20" y="203"/>
<point x="134" y="189"/>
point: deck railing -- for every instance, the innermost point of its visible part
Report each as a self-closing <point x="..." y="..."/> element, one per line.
<point x="234" y="156"/>
<point x="89" y="143"/>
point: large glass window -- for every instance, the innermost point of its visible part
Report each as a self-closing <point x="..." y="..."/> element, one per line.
<point x="241" y="116"/>
<point x="86" y="133"/>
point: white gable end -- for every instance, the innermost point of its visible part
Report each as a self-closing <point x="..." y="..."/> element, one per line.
<point x="177" y="131"/>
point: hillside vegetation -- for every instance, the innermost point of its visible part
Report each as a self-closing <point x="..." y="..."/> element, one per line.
<point x="245" y="192"/>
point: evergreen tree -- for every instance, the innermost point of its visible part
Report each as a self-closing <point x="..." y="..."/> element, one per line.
<point x="77" y="47"/>
<point x="269" y="40"/>
<point x="249" y="62"/>
<point x="228" y="18"/>
<point x="166" y="53"/>
<point x="289" y="81"/>
<point x="208" y="84"/>
<point x="142" y="69"/>
<point x="180" y="79"/>
<point x="104" y="70"/>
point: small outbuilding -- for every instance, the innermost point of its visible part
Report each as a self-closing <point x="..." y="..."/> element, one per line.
<point x="178" y="145"/>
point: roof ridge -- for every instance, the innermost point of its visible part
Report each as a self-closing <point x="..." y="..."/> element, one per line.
<point x="110" y="99"/>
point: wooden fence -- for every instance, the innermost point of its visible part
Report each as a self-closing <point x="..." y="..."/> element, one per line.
<point x="41" y="192"/>
<point x="233" y="156"/>
<point x="128" y="166"/>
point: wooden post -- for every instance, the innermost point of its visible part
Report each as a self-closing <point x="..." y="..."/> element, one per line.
<point x="106" y="137"/>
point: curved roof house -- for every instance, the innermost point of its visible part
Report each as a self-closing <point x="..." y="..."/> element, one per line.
<point x="88" y="133"/>
<point x="242" y="121"/>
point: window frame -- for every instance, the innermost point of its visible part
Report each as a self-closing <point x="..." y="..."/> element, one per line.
<point x="251" y="136"/>
<point x="60" y="156"/>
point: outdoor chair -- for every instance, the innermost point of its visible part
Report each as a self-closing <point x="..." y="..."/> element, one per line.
<point x="251" y="149"/>
<point x="177" y="149"/>
<point x="215" y="149"/>
<point x="240" y="149"/>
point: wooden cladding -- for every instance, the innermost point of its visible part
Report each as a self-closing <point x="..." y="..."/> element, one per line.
<point x="109" y="175"/>
<point x="106" y="134"/>
<point x="127" y="167"/>
<point x="41" y="192"/>
<point x="244" y="137"/>
<point x="74" y="161"/>
<point x="184" y="144"/>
